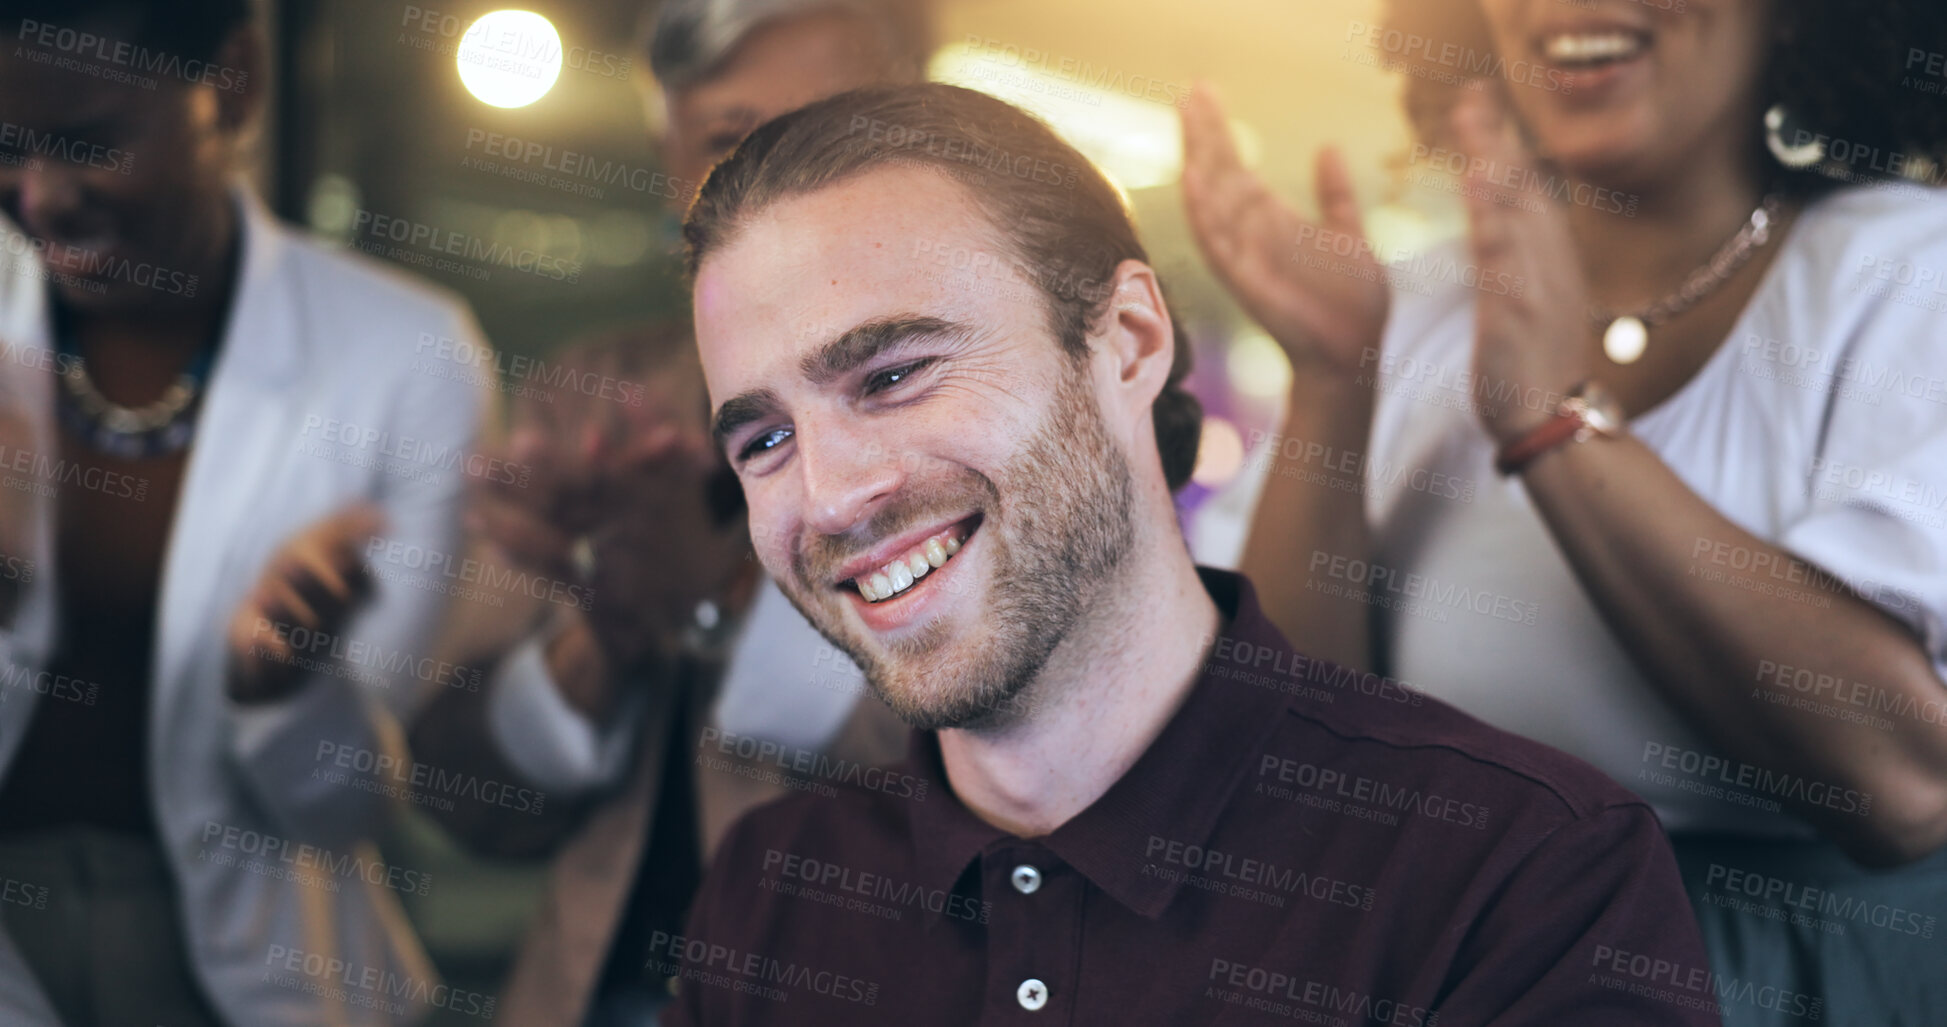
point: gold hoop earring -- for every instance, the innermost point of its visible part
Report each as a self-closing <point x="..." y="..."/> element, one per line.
<point x="1800" y="156"/>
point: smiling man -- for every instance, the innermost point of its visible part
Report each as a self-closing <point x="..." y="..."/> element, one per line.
<point x="947" y="377"/>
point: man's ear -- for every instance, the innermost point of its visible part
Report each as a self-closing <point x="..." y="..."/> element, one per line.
<point x="241" y="79"/>
<point x="1137" y="338"/>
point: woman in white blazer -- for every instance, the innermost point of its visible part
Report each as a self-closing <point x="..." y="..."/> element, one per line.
<point x="227" y="870"/>
<point x="314" y="338"/>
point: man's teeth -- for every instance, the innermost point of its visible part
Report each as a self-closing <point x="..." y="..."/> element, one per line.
<point x="899" y="575"/>
<point x="1591" y="47"/>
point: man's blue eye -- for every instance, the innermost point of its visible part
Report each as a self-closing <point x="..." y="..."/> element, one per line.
<point x="892" y="376"/>
<point x="765" y="441"/>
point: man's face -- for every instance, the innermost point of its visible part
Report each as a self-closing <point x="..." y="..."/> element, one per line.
<point x="116" y="180"/>
<point x="784" y="64"/>
<point x="930" y="477"/>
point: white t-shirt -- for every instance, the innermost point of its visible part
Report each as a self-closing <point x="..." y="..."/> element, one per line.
<point x="1819" y="425"/>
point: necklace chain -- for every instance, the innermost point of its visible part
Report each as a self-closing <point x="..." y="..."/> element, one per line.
<point x="1734" y="254"/>
<point x="162" y="427"/>
<point x="129" y="420"/>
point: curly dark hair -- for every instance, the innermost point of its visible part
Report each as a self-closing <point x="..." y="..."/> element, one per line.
<point x="1067" y="225"/>
<point x="1847" y="71"/>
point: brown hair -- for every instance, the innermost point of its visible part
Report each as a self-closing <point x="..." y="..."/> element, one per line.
<point x="1066" y="224"/>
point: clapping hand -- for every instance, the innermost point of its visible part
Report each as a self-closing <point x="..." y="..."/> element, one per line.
<point x="1531" y="330"/>
<point x="626" y="500"/>
<point x="308" y="590"/>
<point x="1317" y="288"/>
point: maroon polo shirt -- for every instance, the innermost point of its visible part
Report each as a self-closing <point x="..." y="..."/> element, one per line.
<point x="1300" y="844"/>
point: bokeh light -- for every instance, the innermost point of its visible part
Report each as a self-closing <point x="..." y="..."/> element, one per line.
<point x="510" y="58"/>
<point x="1257" y="367"/>
<point x="1220" y="455"/>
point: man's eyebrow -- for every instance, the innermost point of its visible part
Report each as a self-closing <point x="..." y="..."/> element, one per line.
<point x="831" y="361"/>
<point x="740" y="410"/>
<point x="863" y="341"/>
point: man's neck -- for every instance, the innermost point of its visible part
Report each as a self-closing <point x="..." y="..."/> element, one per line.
<point x="1105" y="694"/>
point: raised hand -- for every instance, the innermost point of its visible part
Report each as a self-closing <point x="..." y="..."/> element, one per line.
<point x="307" y="593"/>
<point x="1531" y="338"/>
<point x="628" y="499"/>
<point x="1317" y="288"/>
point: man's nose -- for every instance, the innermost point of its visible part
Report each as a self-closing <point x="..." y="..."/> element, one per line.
<point x="846" y="476"/>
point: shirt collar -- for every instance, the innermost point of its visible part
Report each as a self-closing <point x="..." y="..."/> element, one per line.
<point x="1176" y="790"/>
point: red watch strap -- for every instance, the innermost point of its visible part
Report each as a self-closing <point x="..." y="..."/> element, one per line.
<point x="1522" y="451"/>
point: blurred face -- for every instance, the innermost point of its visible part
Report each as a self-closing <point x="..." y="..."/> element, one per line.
<point x="782" y="65"/>
<point x="121" y="184"/>
<point x="1644" y="83"/>
<point x="930" y="478"/>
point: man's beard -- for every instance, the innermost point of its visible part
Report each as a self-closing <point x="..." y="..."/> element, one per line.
<point x="1057" y="525"/>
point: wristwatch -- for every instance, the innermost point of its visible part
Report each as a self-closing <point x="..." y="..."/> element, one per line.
<point x="1588" y="411"/>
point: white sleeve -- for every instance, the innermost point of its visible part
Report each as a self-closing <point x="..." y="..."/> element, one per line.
<point x="1878" y="484"/>
<point x="256" y="725"/>
<point x="784" y="682"/>
<point x="550" y="742"/>
<point x="1878" y="524"/>
<point x="359" y="704"/>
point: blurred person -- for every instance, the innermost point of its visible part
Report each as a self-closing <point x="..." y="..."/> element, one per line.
<point x="630" y="503"/>
<point x="1702" y="418"/>
<point x="685" y="641"/>
<point x="1089" y="736"/>
<point x="209" y="424"/>
<point x="723" y="67"/>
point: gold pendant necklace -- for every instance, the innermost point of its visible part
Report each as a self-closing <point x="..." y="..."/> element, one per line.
<point x="1625" y="339"/>
<point x="1627" y="336"/>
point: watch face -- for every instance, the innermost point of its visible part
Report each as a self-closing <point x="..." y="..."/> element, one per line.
<point x="1604" y="413"/>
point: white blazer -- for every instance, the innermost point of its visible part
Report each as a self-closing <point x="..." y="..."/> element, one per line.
<point x="315" y="336"/>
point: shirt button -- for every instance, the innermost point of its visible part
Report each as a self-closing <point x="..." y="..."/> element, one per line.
<point x="1032" y="994"/>
<point x="1026" y="880"/>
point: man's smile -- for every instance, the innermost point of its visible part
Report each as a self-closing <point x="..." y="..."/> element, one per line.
<point x="894" y="567"/>
<point x="900" y="581"/>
